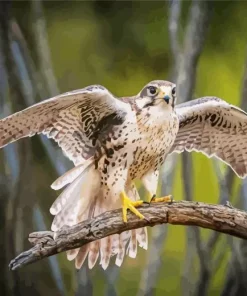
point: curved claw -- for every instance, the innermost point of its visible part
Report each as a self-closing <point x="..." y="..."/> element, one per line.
<point x="167" y="198"/>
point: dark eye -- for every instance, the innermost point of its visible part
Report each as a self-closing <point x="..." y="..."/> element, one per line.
<point x="174" y="90"/>
<point x="152" y="90"/>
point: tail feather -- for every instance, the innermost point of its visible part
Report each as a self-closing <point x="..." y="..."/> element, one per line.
<point x="105" y="251"/>
<point x="132" y="248"/>
<point x="71" y="254"/>
<point x="81" y="256"/>
<point x="93" y="253"/>
<point x="83" y="198"/>
<point x="142" y="238"/>
<point x="121" y="250"/>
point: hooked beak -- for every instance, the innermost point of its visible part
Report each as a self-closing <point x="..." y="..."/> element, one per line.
<point x="165" y="97"/>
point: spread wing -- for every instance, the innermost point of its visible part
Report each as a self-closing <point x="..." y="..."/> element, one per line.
<point x="215" y="128"/>
<point x="73" y="120"/>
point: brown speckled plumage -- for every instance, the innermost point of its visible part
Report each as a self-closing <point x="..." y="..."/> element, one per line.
<point x="114" y="141"/>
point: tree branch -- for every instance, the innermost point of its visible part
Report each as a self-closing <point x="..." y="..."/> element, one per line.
<point x="216" y="217"/>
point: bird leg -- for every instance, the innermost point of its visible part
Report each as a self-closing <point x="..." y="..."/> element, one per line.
<point x="129" y="204"/>
<point x="167" y="198"/>
<point x="150" y="182"/>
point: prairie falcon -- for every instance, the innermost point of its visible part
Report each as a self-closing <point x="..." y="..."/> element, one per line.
<point x="114" y="141"/>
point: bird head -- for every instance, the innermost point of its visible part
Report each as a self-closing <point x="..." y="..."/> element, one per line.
<point x="158" y="92"/>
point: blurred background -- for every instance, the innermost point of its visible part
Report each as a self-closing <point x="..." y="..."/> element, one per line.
<point x="47" y="48"/>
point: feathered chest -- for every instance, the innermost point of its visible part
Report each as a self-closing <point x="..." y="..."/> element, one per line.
<point x="140" y="142"/>
<point x="157" y="131"/>
<point x="156" y="138"/>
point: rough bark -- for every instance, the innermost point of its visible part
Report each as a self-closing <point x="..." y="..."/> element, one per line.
<point x="220" y="218"/>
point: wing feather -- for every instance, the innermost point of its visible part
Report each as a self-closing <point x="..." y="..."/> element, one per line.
<point x="71" y="119"/>
<point x="215" y="128"/>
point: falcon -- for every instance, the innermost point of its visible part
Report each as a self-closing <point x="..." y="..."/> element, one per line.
<point x="113" y="141"/>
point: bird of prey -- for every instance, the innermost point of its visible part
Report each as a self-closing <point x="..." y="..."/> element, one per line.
<point x="113" y="141"/>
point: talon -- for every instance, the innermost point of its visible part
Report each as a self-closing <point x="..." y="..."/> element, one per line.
<point x="131" y="205"/>
<point x="146" y="202"/>
<point x="167" y="198"/>
<point x="152" y="199"/>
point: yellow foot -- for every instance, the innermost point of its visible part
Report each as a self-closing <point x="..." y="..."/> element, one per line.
<point x="129" y="204"/>
<point x="167" y="198"/>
